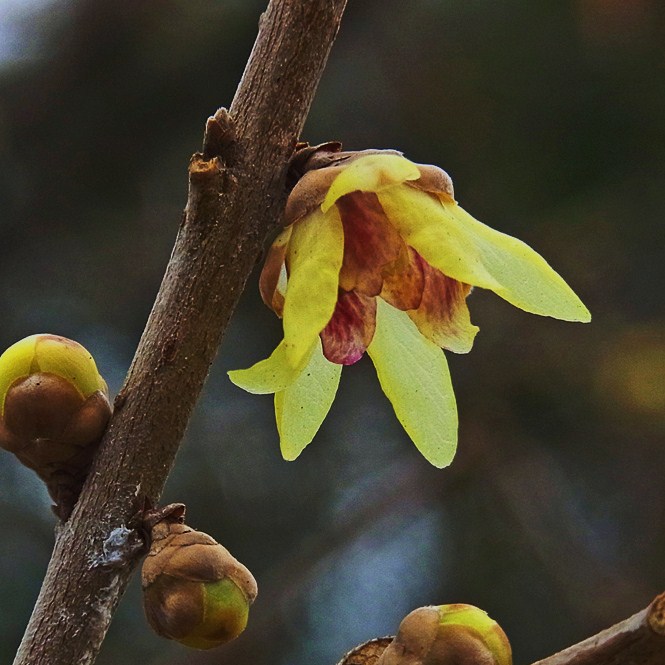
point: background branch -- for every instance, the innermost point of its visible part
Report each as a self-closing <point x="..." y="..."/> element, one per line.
<point x="234" y="201"/>
<point x="638" y="639"/>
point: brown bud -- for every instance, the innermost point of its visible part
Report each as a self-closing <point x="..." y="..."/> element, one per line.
<point x="323" y="164"/>
<point x="448" y="635"/>
<point x="367" y="653"/>
<point x="314" y="169"/>
<point x="194" y="591"/>
<point x="54" y="409"/>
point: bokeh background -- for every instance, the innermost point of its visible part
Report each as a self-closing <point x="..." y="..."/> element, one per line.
<point x="550" y="117"/>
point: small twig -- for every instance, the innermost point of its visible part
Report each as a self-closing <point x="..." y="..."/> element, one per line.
<point x="639" y="640"/>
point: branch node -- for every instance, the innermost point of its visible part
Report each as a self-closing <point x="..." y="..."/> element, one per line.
<point x="202" y="169"/>
<point x="169" y="349"/>
<point x="656" y="615"/>
<point x="119" y="548"/>
<point x="219" y="139"/>
<point x="172" y="512"/>
<point x="307" y="157"/>
<point x="120" y="399"/>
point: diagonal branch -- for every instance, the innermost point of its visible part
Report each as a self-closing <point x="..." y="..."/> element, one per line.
<point x="236" y="193"/>
<point x="638" y="639"/>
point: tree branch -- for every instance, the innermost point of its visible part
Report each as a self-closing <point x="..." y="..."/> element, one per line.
<point x="638" y="639"/>
<point x="236" y="193"/>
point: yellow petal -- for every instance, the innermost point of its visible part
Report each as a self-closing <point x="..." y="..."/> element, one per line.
<point x="301" y="408"/>
<point x="370" y="174"/>
<point x="52" y="354"/>
<point x="422" y="222"/>
<point x="463" y="248"/>
<point x="486" y="630"/>
<point x="414" y="375"/>
<point x="68" y="359"/>
<point x="314" y="260"/>
<point x="271" y="375"/>
<point x="15" y="363"/>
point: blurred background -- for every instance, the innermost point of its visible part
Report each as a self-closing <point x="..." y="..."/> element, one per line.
<point x="549" y="115"/>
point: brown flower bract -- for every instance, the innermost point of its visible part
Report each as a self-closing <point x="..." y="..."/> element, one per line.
<point x="55" y="431"/>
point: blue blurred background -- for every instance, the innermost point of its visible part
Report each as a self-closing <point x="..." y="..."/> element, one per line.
<point x="550" y="116"/>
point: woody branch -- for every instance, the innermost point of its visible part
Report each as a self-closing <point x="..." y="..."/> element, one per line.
<point x="236" y="193"/>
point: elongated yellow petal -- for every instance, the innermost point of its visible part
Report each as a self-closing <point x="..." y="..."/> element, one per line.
<point x="370" y="174"/>
<point x="414" y="375"/>
<point x="526" y="279"/>
<point x="465" y="249"/>
<point x="271" y="375"/>
<point x="422" y="222"/>
<point x="301" y="408"/>
<point x="314" y="260"/>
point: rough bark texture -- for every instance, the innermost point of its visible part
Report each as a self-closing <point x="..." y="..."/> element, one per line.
<point x="235" y="196"/>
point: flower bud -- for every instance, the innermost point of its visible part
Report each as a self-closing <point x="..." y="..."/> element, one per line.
<point x="448" y="635"/>
<point x="194" y="591"/>
<point x="54" y="409"/>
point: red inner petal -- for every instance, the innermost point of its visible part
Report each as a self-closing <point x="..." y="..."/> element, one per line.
<point x="442" y="315"/>
<point x="372" y="245"/>
<point x="350" y="329"/>
<point x="403" y="286"/>
<point x="442" y="294"/>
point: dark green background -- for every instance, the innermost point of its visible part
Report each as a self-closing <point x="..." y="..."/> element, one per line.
<point x="549" y="115"/>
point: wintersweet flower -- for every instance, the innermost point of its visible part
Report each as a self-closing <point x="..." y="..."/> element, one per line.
<point x="377" y="256"/>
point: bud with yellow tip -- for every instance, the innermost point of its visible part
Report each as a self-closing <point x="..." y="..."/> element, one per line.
<point x="194" y="591"/>
<point x="448" y="635"/>
<point x="54" y="408"/>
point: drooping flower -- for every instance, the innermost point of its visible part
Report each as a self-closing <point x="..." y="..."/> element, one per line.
<point x="377" y="256"/>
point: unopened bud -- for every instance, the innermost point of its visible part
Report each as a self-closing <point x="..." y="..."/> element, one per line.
<point x="194" y="591"/>
<point x="448" y="635"/>
<point x="54" y="409"/>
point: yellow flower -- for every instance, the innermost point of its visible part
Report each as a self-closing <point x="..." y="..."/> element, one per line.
<point x="377" y="256"/>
